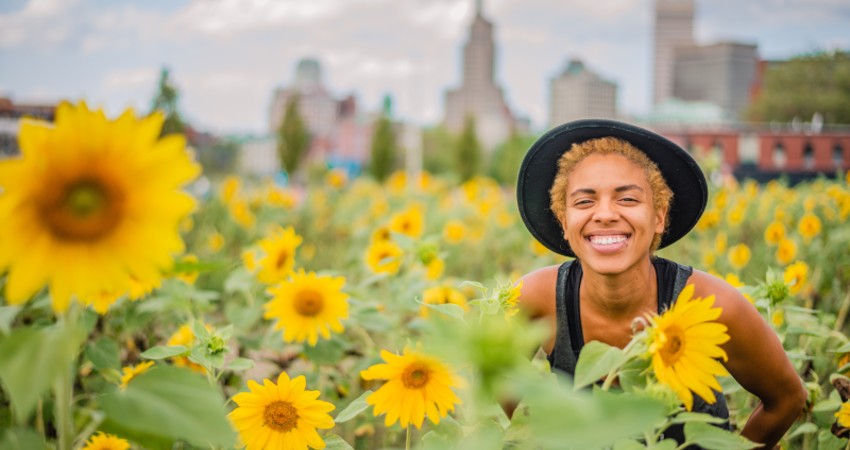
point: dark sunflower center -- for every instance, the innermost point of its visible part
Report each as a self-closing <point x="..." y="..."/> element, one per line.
<point x="282" y="258"/>
<point x="82" y="210"/>
<point x="415" y="376"/>
<point x="674" y="346"/>
<point x="280" y="416"/>
<point x="308" y="303"/>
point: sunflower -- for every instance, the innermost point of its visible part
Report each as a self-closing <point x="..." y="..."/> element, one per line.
<point x="229" y="188"/>
<point x="721" y="242"/>
<point x="736" y="282"/>
<point x="278" y="254"/>
<point x="409" y="222"/>
<point x="442" y="295"/>
<point x="786" y="251"/>
<point x="102" y="301"/>
<point x="307" y="305"/>
<point x="188" y="276"/>
<point x="186" y="337"/>
<point x="90" y="204"/>
<point x="798" y="274"/>
<point x="774" y="233"/>
<point x="240" y="212"/>
<point x="843" y="414"/>
<point x="215" y="241"/>
<point x="128" y="373"/>
<point x="384" y="257"/>
<point x="280" y="416"/>
<point x="454" y="231"/>
<point x="739" y="256"/>
<point x="336" y="178"/>
<point x="417" y="385"/>
<point x="103" y="441"/>
<point x="684" y="343"/>
<point x="809" y="226"/>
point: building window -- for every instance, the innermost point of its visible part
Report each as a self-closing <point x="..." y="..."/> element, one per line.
<point x="838" y="157"/>
<point x="779" y="156"/>
<point x="808" y="157"/>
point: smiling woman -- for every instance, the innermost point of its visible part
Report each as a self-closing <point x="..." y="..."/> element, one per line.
<point x="610" y="194"/>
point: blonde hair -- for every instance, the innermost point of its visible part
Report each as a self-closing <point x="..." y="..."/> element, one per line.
<point x="662" y="196"/>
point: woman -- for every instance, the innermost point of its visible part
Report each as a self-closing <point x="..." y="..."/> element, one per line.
<point x="610" y="194"/>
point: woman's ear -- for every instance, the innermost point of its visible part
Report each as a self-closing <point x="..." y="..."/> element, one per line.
<point x="660" y="220"/>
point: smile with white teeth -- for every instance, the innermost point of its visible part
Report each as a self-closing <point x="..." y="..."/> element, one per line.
<point x="607" y="240"/>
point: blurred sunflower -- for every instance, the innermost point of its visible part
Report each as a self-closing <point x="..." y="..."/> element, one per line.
<point x="709" y="220"/>
<point x="128" y="373"/>
<point x="736" y="282"/>
<point x="280" y="416"/>
<point x="454" y="231"/>
<point x="809" y="226"/>
<point x="188" y="276"/>
<point x="240" y="212"/>
<point x="384" y="257"/>
<point x="739" y="255"/>
<point x="336" y="178"/>
<point x="215" y="241"/>
<point x="684" y="344"/>
<point x="409" y="222"/>
<point x="721" y="241"/>
<point x="277" y="258"/>
<point x="186" y="337"/>
<point x="102" y="301"/>
<point x="843" y="414"/>
<point x="229" y="188"/>
<point x="307" y="305"/>
<point x="103" y="441"/>
<point x="798" y="275"/>
<point x="774" y="233"/>
<point x="441" y="295"/>
<point x="91" y="203"/>
<point x="381" y="234"/>
<point x="417" y="386"/>
<point x="786" y="251"/>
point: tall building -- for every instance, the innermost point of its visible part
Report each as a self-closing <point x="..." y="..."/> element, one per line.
<point x="478" y="95"/>
<point x="579" y="93"/>
<point x="674" y="26"/>
<point x="722" y="73"/>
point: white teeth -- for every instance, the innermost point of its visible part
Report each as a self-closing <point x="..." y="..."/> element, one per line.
<point x="607" y="240"/>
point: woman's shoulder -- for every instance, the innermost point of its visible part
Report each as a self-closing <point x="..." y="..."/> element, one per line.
<point x="725" y="295"/>
<point x="537" y="295"/>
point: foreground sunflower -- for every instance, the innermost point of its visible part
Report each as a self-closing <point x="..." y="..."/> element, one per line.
<point x="103" y="441"/>
<point x="91" y="204"/>
<point x="280" y="416"/>
<point x="684" y="344"/>
<point x="308" y="305"/>
<point x="417" y="385"/>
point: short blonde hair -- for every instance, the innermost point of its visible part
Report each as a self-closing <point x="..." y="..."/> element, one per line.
<point x="662" y="196"/>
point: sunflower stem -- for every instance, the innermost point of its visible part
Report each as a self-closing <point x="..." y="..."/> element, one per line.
<point x="64" y="425"/>
<point x="407" y="439"/>
<point x="842" y="313"/>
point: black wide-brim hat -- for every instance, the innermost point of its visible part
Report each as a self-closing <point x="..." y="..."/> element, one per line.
<point x="538" y="170"/>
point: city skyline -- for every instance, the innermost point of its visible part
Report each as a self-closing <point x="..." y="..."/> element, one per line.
<point x="228" y="56"/>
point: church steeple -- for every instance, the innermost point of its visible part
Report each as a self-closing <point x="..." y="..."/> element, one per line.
<point x="479" y="9"/>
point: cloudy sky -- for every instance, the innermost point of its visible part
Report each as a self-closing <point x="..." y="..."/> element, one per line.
<point x="227" y="56"/>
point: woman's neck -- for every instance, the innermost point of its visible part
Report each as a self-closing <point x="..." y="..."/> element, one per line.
<point x="624" y="295"/>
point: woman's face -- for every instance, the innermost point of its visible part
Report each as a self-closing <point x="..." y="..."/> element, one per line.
<point x="610" y="218"/>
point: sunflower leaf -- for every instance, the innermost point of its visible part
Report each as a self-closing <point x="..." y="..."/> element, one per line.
<point x="354" y="408"/>
<point x="334" y="442"/>
<point x="595" y="360"/>
<point x="240" y="364"/>
<point x="104" y="354"/>
<point x="449" y="309"/>
<point x="714" y="438"/>
<point x="164" y="351"/>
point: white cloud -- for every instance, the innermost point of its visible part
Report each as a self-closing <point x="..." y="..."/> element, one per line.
<point x="130" y="78"/>
<point x="36" y="24"/>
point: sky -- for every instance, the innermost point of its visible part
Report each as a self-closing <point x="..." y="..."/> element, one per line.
<point x="227" y="56"/>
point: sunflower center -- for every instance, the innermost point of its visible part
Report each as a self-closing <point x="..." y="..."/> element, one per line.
<point x="82" y="210"/>
<point x="308" y="302"/>
<point x="673" y="346"/>
<point x="280" y="416"/>
<point x="415" y="376"/>
<point x="282" y="258"/>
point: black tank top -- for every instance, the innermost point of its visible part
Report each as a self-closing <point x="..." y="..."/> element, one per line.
<point x="569" y="339"/>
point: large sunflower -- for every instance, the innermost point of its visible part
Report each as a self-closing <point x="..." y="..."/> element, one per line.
<point x="281" y="416"/>
<point x="278" y="254"/>
<point x="91" y="204"/>
<point x="307" y="305"/>
<point x="103" y="441"/>
<point x="684" y="344"/>
<point x="417" y="386"/>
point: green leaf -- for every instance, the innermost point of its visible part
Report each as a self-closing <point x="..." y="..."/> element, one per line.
<point x="240" y="364"/>
<point x="7" y="316"/>
<point x="164" y="351"/>
<point x="31" y="359"/>
<point x="326" y="352"/>
<point x="714" y="438"/>
<point x="686" y="417"/>
<point x="806" y="428"/>
<point x="843" y="349"/>
<point x="666" y="444"/>
<point x="596" y="360"/>
<point x="334" y="442"/>
<point x="354" y="408"/>
<point x="628" y="444"/>
<point x="22" y="439"/>
<point x="829" y="404"/>
<point x="172" y="403"/>
<point x="449" y="309"/>
<point x="104" y="354"/>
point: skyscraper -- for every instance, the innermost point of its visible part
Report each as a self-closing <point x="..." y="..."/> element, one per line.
<point x="479" y="95"/>
<point x="579" y="93"/>
<point x="674" y="26"/>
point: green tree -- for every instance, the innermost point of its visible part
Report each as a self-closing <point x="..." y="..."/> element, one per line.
<point x="508" y="156"/>
<point x="166" y="101"/>
<point x="293" y="138"/>
<point x="468" y="152"/>
<point x="437" y="143"/>
<point x="804" y="85"/>
<point x="384" y="145"/>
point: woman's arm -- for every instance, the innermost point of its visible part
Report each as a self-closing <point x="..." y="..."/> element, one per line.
<point x="757" y="361"/>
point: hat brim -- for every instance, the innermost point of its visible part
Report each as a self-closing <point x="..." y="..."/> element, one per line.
<point x="540" y="165"/>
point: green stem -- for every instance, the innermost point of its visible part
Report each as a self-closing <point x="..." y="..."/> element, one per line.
<point x="842" y="313"/>
<point x="407" y="439"/>
<point x="62" y="390"/>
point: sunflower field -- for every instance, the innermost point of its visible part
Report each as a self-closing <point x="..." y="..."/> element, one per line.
<point x="140" y="310"/>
